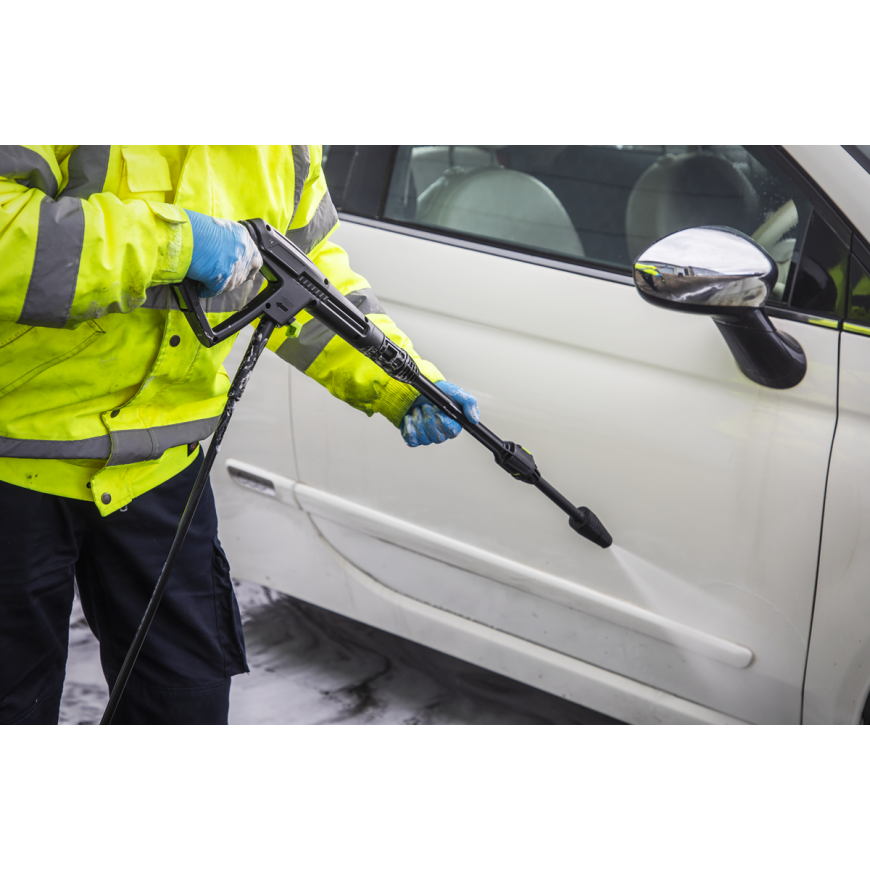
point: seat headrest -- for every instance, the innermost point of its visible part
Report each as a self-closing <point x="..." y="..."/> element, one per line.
<point x="500" y="204"/>
<point x="688" y="190"/>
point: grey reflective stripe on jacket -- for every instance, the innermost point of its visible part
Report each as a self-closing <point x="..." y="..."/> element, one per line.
<point x="26" y="448"/>
<point x="301" y="166"/>
<point x="87" y="168"/>
<point x="120" y="448"/>
<point x="28" y="168"/>
<point x="301" y="351"/>
<point x="61" y="229"/>
<point x="318" y="228"/>
<point x="59" y="243"/>
<point x="163" y="297"/>
<point x="140" y="445"/>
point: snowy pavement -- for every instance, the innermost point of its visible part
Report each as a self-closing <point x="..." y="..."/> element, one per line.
<point x="310" y="666"/>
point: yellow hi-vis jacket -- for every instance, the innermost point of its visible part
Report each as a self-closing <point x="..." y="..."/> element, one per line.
<point x="103" y="385"/>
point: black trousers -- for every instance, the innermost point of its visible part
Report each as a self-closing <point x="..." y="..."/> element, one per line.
<point x="195" y="644"/>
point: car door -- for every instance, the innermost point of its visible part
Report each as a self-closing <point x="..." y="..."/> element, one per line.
<point x="838" y="664"/>
<point x="509" y="267"/>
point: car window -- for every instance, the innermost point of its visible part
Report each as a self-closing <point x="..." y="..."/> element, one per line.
<point x="336" y="163"/>
<point x="598" y="204"/>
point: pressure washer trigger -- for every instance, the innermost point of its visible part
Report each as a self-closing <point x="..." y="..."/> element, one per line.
<point x="191" y="306"/>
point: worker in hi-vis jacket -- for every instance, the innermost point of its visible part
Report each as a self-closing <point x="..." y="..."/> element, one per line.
<point x="105" y="393"/>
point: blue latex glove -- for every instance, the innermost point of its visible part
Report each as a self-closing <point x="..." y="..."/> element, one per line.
<point x="425" y="424"/>
<point x="224" y="254"/>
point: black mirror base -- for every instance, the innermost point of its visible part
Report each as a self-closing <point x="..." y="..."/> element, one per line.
<point x="767" y="357"/>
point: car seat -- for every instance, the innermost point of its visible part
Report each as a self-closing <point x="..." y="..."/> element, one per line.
<point x="594" y="182"/>
<point x="688" y="190"/>
<point x="499" y="204"/>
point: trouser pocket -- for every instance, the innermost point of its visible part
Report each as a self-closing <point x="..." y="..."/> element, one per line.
<point x="229" y="619"/>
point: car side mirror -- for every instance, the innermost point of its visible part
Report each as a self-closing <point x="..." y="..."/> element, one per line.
<point x="725" y="274"/>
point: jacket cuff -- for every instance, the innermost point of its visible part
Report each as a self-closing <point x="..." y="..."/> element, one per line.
<point x="174" y="243"/>
<point x="398" y="397"/>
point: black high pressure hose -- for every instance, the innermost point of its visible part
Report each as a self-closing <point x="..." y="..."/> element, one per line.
<point x="294" y="284"/>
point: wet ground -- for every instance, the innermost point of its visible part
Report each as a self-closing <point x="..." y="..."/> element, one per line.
<point x="310" y="666"/>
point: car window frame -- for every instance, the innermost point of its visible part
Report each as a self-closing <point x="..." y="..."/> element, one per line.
<point x="364" y="195"/>
<point x="860" y="154"/>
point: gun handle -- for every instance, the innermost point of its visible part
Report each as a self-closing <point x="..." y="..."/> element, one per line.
<point x="191" y="305"/>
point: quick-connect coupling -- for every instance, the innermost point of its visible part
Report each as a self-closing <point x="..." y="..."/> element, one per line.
<point x="395" y="361"/>
<point x="517" y="461"/>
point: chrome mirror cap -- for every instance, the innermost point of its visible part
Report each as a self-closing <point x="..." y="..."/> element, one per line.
<point x="705" y="268"/>
<point x="720" y="272"/>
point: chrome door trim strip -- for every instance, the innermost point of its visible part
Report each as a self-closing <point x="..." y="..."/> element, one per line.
<point x="802" y="317"/>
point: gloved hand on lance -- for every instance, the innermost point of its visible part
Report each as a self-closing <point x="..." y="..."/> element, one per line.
<point x="426" y="424"/>
<point x="224" y="254"/>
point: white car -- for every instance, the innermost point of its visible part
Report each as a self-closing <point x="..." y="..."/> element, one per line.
<point x="737" y="588"/>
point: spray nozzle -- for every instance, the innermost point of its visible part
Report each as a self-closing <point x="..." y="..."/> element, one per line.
<point x="585" y="523"/>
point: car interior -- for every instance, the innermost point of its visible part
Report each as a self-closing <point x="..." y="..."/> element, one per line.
<point x="599" y="203"/>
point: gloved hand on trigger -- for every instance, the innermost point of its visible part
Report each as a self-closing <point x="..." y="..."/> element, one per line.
<point x="224" y="254"/>
<point x="425" y="424"/>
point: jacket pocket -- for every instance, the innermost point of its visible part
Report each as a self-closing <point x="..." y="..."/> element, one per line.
<point x="145" y="173"/>
<point x="25" y="351"/>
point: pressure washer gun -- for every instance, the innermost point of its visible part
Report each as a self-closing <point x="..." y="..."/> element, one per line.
<point x="294" y="283"/>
